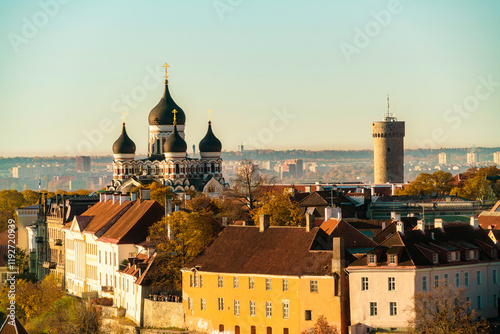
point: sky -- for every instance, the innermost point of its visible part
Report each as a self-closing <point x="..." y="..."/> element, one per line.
<point x="277" y="74"/>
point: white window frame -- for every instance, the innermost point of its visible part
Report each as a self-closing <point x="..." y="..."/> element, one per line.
<point x="373" y="309"/>
<point x="269" y="309"/>
<point x="391" y="281"/>
<point x="236" y="307"/>
<point x="285" y="284"/>
<point x="313" y="286"/>
<point x="393" y="309"/>
<point x="364" y="284"/>
<point x="286" y="309"/>
<point x="252" y="308"/>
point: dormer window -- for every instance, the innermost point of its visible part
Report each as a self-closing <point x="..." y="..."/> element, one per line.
<point x="435" y="258"/>
<point x="457" y="256"/>
<point x="449" y="256"/>
<point x="475" y="254"/>
<point x="392" y="259"/>
<point x="371" y="259"/>
<point x="468" y="255"/>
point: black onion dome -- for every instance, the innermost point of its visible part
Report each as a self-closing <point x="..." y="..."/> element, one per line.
<point x="175" y="143"/>
<point x="210" y="143"/>
<point x="124" y="145"/>
<point x="162" y="113"/>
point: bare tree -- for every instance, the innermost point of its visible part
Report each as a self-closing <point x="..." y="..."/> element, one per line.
<point x="445" y="310"/>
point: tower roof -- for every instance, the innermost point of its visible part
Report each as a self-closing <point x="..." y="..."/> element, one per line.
<point x="175" y="143"/>
<point x="124" y="145"/>
<point x="210" y="143"/>
<point x="161" y="114"/>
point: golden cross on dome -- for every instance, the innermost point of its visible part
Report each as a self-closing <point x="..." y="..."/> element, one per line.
<point x="123" y="115"/>
<point x="209" y="115"/>
<point x="166" y="69"/>
<point x="175" y="116"/>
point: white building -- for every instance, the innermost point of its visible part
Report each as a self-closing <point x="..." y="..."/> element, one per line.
<point x="496" y="158"/>
<point x="444" y="158"/>
<point x="472" y="158"/>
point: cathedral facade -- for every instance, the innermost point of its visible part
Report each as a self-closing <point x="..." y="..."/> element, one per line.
<point x="167" y="162"/>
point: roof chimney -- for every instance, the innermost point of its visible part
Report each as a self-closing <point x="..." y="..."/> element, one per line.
<point x="328" y="213"/>
<point x="124" y="198"/>
<point x="145" y="194"/>
<point x="367" y="195"/>
<point x="338" y="261"/>
<point x="438" y="223"/>
<point x="133" y="196"/>
<point x="474" y="222"/>
<point x="101" y="197"/>
<point x="310" y="222"/>
<point x="383" y="225"/>
<point x="264" y="222"/>
<point x="116" y="198"/>
<point x="395" y="216"/>
<point x="224" y="220"/>
<point x="337" y="213"/>
<point x="421" y="225"/>
<point x="400" y="227"/>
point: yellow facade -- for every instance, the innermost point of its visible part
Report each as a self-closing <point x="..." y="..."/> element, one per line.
<point x="268" y="296"/>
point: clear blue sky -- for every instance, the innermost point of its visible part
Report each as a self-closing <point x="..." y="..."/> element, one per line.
<point x="67" y="68"/>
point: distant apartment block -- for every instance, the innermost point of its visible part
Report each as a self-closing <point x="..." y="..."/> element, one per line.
<point x="496" y="158"/>
<point x="444" y="158"/>
<point x="472" y="158"/>
<point x="82" y="164"/>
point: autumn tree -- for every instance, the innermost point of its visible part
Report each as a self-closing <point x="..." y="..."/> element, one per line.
<point x="322" y="327"/>
<point x="445" y="310"/>
<point x="249" y="184"/>
<point x="438" y="182"/>
<point x="283" y="211"/>
<point x="476" y="186"/>
<point x="157" y="191"/>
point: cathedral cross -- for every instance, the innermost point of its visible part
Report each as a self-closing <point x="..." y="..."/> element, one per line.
<point x="123" y="115"/>
<point x="166" y="69"/>
<point x="175" y="116"/>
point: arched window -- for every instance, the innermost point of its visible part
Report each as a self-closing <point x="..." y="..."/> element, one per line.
<point x="176" y="168"/>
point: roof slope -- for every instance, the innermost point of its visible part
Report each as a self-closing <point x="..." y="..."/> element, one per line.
<point x="352" y="237"/>
<point x="7" y="328"/>
<point x="103" y="213"/>
<point x="276" y="251"/>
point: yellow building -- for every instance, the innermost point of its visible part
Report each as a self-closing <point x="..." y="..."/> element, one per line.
<point x="266" y="280"/>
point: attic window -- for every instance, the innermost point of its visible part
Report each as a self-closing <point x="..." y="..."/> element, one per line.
<point x="392" y="259"/>
<point x="475" y="254"/>
<point x="435" y="258"/>
<point x="449" y="256"/>
<point x="371" y="258"/>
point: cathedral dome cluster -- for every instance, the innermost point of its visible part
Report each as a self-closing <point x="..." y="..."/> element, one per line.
<point x="168" y="162"/>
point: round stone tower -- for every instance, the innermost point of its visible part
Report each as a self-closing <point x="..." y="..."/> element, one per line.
<point x="388" y="140"/>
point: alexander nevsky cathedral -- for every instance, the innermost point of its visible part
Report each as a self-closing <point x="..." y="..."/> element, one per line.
<point x="167" y="162"/>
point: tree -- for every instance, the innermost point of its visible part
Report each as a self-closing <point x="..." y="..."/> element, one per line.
<point x="322" y="327"/>
<point x="249" y="184"/>
<point x="282" y="210"/>
<point x="157" y="191"/>
<point x="445" y="310"/>
<point x="438" y="182"/>
<point x="475" y="185"/>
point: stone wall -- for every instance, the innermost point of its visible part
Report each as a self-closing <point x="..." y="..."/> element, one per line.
<point x="163" y="314"/>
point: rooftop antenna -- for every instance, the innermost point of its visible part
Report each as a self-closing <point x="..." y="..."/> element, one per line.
<point x="389" y="117"/>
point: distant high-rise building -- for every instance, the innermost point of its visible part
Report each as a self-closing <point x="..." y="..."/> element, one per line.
<point x="472" y="158"/>
<point x="496" y="158"/>
<point x="82" y="164"/>
<point x="444" y="158"/>
<point x="388" y="139"/>
<point x="299" y="167"/>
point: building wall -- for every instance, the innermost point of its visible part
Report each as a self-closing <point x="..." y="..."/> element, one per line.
<point x="25" y="217"/>
<point x="298" y="297"/>
<point x="388" y="140"/>
<point x="163" y="314"/>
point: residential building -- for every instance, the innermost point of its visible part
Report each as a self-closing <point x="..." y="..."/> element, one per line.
<point x="444" y="158"/>
<point x="82" y="164"/>
<point x="472" y="158"/>
<point x="383" y="282"/>
<point x="496" y="158"/>
<point x="259" y="278"/>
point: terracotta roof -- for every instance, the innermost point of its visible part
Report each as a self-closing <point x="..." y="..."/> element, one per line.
<point x="139" y="267"/>
<point x="132" y="226"/>
<point x="416" y="247"/>
<point x="276" y="251"/>
<point x="4" y="237"/>
<point x="489" y="219"/>
<point x="7" y="327"/>
<point x="104" y="213"/>
<point x="352" y="237"/>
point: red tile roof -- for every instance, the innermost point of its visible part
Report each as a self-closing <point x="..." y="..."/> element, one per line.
<point x="352" y="237"/>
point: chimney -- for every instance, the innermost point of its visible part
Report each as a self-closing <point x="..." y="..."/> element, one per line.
<point x="168" y="205"/>
<point x="328" y="213"/>
<point x="400" y="227"/>
<point x="310" y="222"/>
<point x="474" y="222"/>
<point x="438" y="223"/>
<point x="338" y="261"/>
<point x="248" y="223"/>
<point x="101" y="197"/>
<point x="383" y="225"/>
<point x="145" y="194"/>
<point x="421" y="224"/>
<point x="264" y="222"/>
<point x="116" y="198"/>
<point x="395" y="216"/>
<point x="133" y="196"/>
<point x="337" y="213"/>
<point x="124" y="198"/>
<point x="107" y="197"/>
<point x="224" y="220"/>
<point x="308" y="189"/>
<point x="367" y="195"/>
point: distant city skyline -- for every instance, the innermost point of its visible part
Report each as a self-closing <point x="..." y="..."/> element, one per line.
<point x="280" y="75"/>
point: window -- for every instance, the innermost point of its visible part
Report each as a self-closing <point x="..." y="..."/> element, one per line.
<point x="371" y="258"/>
<point x="446" y="279"/>
<point x="457" y="280"/>
<point x="478" y="277"/>
<point x="308" y="316"/>
<point x="467" y="256"/>
<point x="392" y="259"/>
<point x="479" y="303"/>
<point x="236" y="282"/>
<point x="373" y="309"/>
<point x="495" y="301"/>
<point x="268" y="284"/>
<point x="221" y="304"/>
<point x="285" y="284"/>
<point x="435" y="258"/>
<point x="392" y="283"/>
<point x="393" y="309"/>
<point x="201" y="281"/>
<point x="475" y="254"/>
<point x="191" y="281"/>
<point x="269" y="309"/>
<point x="424" y="283"/>
<point x="436" y="281"/>
<point x="236" y="307"/>
<point x="457" y="256"/>
<point x="252" y="308"/>
<point x="99" y="256"/>
<point x="286" y="310"/>
<point x="251" y="283"/>
<point x="190" y="303"/>
<point x="195" y="280"/>
<point x="495" y="277"/>
<point x="313" y="286"/>
<point x="449" y="256"/>
<point x="364" y="283"/>
<point x="203" y="304"/>
<point x="105" y="257"/>
<point x="466" y="279"/>
<point x="467" y="300"/>
<point x="220" y="281"/>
